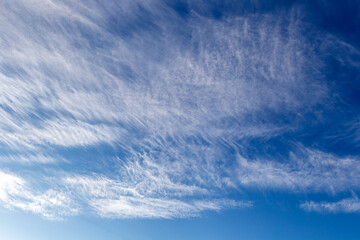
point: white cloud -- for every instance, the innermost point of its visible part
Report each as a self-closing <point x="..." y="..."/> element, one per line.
<point x="314" y="171"/>
<point x="60" y="133"/>
<point x="348" y="205"/>
<point x="236" y="71"/>
<point x="52" y="205"/>
<point x="130" y="207"/>
<point x="16" y="194"/>
<point x="10" y="185"/>
<point x="122" y="199"/>
<point x="30" y="159"/>
<point x="174" y="106"/>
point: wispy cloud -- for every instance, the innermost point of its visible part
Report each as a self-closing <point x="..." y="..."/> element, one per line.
<point x="145" y="199"/>
<point x="30" y="159"/>
<point x="348" y="205"/>
<point x="129" y="207"/>
<point x="15" y="193"/>
<point x="178" y="103"/>
<point x="60" y="133"/>
<point x="313" y="170"/>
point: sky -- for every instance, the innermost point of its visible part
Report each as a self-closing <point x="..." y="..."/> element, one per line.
<point x="166" y="119"/>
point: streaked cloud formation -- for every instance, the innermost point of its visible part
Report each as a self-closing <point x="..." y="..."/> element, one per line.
<point x="138" y="110"/>
<point x="348" y="205"/>
<point x="313" y="171"/>
<point x="15" y="194"/>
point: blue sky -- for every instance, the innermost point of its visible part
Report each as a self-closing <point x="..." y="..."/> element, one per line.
<point x="179" y="119"/>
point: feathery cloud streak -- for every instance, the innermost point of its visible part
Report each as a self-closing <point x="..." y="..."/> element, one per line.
<point x="348" y="205"/>
<point x="189" y="107"/>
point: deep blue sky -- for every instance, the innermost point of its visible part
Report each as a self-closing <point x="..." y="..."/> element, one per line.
<point x="179" y="119"/>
